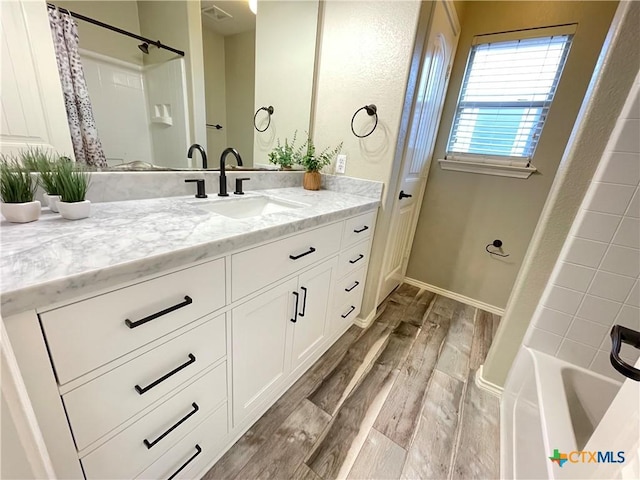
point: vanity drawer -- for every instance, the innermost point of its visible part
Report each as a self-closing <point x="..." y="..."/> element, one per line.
<point x="346" y="314"/>
<point x="353" y="258"/>
<point x="91" y="333"/>
<point x="107" y="401"/>
<point x="260" y="266"/>
<point x="194" y="452"/>
<point x="350" y="288"/>
<point x="358" y="228"/>
<point x="176" y="417"/>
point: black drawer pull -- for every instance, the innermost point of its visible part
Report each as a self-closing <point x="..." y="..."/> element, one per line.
<point x="187" y="301"/>
<point x="142" y="390"/>
<point x="360" y="257"/>
<point x="198" y="452"/>
<point x="352" y="287"/>
<point x="304" y="301"/>
<point x="180" y="422"/>
<point x="349" y="312"/>
<point x="295" y="311"/>
<point x="296" y="257"/>
<point x="366" y="227"/>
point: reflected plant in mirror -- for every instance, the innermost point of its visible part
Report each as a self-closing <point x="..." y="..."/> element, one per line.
<point x="285" y="156"/>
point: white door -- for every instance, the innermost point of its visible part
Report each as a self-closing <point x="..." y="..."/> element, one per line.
<point x="439" y="50"/>
<point x="259" y="330"/>
<point x="310" y="327"/>
<point x="33" y="113"/>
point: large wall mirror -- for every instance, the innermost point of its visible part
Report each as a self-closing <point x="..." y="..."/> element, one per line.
<point x="150" y="104"/>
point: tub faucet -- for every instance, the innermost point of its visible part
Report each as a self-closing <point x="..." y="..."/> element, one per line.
<point x="223" y="175"/>
<point x="195" y="146"/>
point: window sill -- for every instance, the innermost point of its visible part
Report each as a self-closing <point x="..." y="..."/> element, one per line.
<point x="487" y="168"/>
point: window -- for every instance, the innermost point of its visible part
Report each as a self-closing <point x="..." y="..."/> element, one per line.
<point x="508" y="88"/>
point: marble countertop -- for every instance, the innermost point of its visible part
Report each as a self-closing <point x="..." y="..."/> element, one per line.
<point x="53" y="259"/>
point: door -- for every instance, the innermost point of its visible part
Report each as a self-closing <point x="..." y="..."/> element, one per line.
<point x="259" y="332"/>
<point x="440" y="46"/>
<point x="310" y="326"/>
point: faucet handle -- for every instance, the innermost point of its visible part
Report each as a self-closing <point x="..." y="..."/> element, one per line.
<point x="200" y="185"/>
<point x="239" y="181"/>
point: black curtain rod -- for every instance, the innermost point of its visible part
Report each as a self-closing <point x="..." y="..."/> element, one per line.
<point x="117" y="30"/>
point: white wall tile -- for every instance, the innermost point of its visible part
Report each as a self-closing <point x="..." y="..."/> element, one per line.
<point x="602" y="365"/>
<point x="622" y="260"/>
<point x="629" y="317"/>
<point x="598" y="226"/>
<point x="629" y="140"/>
<point x="543" y="341"/>
<point x="564" y="300"/>
<point x="576" y="353"/>
<point x="589" y="333"/>
<point x="611" y="286"/>
<point x="629" y="354"/>
<point x="575" y="277"/>
<point x="628" y="234"/>
<point x="599" y="310"/>
<point x="585" y="252"/>
<point x="610" y="198"/>
<point x="621" y="168"/>
<point x="634" y="295"/>
<point x="634" y="206"/>
<point x="553" y="321"/>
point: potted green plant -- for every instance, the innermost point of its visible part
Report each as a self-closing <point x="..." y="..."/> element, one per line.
<point x="45" y="163"/>
<point x="73" y="183"/>
<point x="314" y="162"/>
<point x="17" y="188"/>
<point x="284" y="155"/>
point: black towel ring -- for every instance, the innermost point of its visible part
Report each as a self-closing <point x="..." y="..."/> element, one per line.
<point x="371" y="111"/>
<point x="497" y="244"/>
<point x="269" y="110"/>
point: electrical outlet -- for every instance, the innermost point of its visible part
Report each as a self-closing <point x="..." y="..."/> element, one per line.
<point x="341" y="163"/>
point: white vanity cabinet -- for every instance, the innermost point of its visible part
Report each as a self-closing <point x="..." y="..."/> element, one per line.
<point x="156" y="378"/>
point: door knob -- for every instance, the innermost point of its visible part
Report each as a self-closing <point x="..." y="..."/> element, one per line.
<point x="404" y="195"/>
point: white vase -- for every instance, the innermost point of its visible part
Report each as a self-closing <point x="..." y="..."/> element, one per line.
<point x="74" y="210"/>
<point x="21" y="212"/>
<point x="52" y="201"/>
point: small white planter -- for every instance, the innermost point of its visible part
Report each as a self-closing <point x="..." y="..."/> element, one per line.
<point x="21" y="212"/>
<point x="75" y="210"/>
<point x="52" y="201"/>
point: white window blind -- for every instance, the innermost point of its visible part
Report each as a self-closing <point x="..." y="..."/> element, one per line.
<point x="506" y="94"/>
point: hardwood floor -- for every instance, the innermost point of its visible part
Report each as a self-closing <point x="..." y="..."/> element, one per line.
<point x="397" y="400"/>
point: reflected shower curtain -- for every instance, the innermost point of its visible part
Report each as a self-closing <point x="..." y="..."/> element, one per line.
<point x="84" y="134"/>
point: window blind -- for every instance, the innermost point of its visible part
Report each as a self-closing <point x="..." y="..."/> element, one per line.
<point x="505" y="98"/>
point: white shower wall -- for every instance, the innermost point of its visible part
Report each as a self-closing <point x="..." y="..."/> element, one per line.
<point x="119" y="104"/>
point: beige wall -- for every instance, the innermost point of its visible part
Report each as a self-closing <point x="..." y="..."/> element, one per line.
<point x="215" y="91"/>
<point x="240" y="73"/>
<point x="463" y="212"/>
<point x="122" y="14"/>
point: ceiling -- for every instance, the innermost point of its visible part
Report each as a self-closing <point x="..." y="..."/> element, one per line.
<point x="227" y="17"/>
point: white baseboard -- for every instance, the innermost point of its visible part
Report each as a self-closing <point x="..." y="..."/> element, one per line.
<point x="455" y="296"/>
<point x="365" y="322"/>
<point x="486" y="385"/>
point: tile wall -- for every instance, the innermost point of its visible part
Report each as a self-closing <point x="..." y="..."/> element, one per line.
<point x="595" y="281"/>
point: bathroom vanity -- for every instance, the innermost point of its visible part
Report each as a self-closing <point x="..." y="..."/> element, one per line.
<point x="153" y="334"/>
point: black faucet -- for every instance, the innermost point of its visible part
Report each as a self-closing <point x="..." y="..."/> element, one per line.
<point x="223" y="175"/>
<point x="195" y="146"/>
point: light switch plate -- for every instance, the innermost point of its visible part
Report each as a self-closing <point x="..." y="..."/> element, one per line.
<point x="341" y="163"/>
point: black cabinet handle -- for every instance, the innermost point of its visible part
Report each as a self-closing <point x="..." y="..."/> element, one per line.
<point x="187" y="301"/>
<point x="360" y="257"/>
<point x="142" y="390"/>
<point x="352" y="287"/>
<point x="349" y="312"/>
<point x="366" y="227"/>
<point x="304" y="301"/>
<point x="180" y="422"/>
<point x="296" y="257"/>
<point x="295" y="311"/>
<point x="620" y="335"/>
<point x="404" y="195"/>
<point x="198" y="452"/>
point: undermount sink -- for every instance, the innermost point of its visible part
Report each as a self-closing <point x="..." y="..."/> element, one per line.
<point x="238" y="208"/>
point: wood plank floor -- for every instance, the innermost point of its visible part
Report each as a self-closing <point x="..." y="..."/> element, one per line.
<point x="397" y="400"/>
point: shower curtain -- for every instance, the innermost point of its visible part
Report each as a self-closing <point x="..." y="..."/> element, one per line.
<point x="84" y="134"/>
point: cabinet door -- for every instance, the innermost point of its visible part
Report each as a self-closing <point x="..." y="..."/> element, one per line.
<point x="309" y="331"/>
<point x="260" y="329"/>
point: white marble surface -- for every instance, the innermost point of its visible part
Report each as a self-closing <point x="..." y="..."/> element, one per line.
<point x="54" y="260"/>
